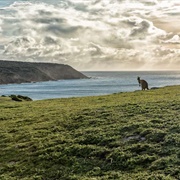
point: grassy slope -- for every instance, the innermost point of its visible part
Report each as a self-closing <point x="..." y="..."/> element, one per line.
<point x="134" y="135"/>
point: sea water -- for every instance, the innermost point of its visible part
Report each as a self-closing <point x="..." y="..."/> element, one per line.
<point x="99" y="83"/>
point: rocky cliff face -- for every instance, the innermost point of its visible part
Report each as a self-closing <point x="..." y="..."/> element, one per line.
<point x="20" y="72"/>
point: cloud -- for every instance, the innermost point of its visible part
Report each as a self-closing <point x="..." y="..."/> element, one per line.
<point x="93" y="34"/>
<point x="174" y="40"/>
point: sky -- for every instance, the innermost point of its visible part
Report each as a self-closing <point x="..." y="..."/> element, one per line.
<point x="106" y="35"/>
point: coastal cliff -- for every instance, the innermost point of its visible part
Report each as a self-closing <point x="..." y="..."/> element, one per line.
<point x="21" y="72"/>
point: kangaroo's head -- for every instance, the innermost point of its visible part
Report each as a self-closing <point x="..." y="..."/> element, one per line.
<point x="138" y="78"/>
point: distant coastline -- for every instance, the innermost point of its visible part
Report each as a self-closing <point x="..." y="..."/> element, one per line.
<point x="26" y="72"/>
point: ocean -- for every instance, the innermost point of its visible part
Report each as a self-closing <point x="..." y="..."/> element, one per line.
<point x="99" y="83"/>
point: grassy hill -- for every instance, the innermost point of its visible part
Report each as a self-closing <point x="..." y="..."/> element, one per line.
<point x="134" y="135"/>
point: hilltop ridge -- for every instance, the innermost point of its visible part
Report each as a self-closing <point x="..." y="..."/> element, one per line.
<point x="21" y="72"/>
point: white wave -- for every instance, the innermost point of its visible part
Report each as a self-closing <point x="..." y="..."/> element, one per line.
<point x="93" y="34"/>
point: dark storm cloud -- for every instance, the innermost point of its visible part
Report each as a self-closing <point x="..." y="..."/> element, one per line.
<point x="140" y="29"/>
<point x="50" y="20"/>
<point x="61" y="30"/>
<point x="49" y="40"/>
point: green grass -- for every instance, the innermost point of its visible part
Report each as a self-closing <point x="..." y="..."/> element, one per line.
<point x="134" y="135"/>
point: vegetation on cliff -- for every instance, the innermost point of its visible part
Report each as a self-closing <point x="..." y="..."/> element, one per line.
<point x="21" y="72"/>
<point x="134" y="135"/>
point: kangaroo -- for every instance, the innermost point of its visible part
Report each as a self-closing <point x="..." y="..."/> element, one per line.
<point x="142" y="83"/>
